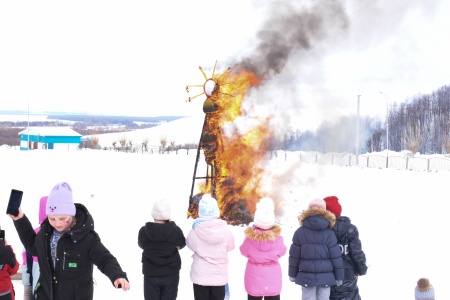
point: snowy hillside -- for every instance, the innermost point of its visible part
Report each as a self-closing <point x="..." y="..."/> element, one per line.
<point x="186" y="130"/>
<point x="399" y="214"/>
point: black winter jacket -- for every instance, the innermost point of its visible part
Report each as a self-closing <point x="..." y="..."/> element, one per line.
<point x="77" y="252"/>
<point x="314" y="256"/>
<point x="161" y="243"/>
<point x="354" y="259"/>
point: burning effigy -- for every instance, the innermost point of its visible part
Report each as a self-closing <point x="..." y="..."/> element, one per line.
<point x="234" y="172"/>
<point x="294" y="32"/>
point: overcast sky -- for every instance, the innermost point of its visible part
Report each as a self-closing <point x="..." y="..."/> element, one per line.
<point x="136" y="57"/>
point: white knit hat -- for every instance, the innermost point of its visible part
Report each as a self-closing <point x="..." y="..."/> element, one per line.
<point x="161" y="210"/>
<point x="208" y="208"/>
<point x="318" y="203"/>
<point x="265" y="214"/>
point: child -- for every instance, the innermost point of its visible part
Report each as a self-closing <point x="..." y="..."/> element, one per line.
<point x="424" y="290"/>
<point x="210" y="239"/>
<point x="30" y="266"/>
<point x="8" y="267"/>
<point x="352" y="253"/>
<point x="161" y="261"/>
<point x="67" y="248"/>
<point x="315" y="260"/>
<point x="263" y="246"/>
<point x="227" y="292"/>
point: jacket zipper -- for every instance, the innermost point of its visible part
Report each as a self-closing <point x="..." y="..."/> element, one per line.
<point x="64" y="261"/>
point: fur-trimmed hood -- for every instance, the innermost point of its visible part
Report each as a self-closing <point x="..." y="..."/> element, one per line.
<point x="256" y="234"/>
<point x="315" y="212"/>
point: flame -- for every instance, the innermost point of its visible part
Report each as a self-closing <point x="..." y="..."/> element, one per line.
<point x="234" y="156"/>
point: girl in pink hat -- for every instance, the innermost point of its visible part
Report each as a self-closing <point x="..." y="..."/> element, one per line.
<point x="30" y="266"/>
<point x="263" y="246"/>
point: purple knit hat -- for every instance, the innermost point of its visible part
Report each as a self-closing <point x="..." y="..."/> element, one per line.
<point x="60" y="201"/>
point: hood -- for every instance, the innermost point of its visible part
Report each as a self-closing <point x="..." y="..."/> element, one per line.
<point x="84" y="223"/>
<point x="263" y="240"/>
<point x="317" y="218"/>
<point x="259" y="235"/>
<point x="42" y="209"/>
<point x="212" y="231"/>
<point x="159" y="232"/>
<point x="342" y="225"/>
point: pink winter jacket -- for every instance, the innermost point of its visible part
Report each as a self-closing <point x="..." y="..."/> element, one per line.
<point x="210" y="241"/>
<point x="263" y="248"/>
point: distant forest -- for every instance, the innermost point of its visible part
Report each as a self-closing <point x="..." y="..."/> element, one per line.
<point x="420" y="124"/>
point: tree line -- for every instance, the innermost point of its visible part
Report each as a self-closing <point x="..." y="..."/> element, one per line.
<point x="420" y="124"/>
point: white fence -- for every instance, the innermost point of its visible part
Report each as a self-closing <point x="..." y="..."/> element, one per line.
<point x="430" y="163"/>
<point x="419" y="163"/>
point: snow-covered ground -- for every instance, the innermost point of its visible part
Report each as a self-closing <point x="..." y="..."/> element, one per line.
<point x="401" y="215"/>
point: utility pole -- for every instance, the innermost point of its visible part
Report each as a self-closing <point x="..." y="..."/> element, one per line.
<point x="387" y="129"/>
<point x="357" y="130"/>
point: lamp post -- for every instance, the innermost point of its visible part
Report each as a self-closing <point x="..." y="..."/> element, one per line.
<point x="387" y="127"/>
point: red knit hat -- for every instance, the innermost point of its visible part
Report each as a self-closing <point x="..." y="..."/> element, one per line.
<point x="333" y="205"/>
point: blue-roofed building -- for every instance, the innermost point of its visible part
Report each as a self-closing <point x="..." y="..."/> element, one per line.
<point x="43" y="138"/>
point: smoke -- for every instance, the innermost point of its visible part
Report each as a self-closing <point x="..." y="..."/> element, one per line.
<point x="291" y="50"/>
<point x="289" y="55"/>
<point x="291" y="31"/>
<point x="307" y="30"/>
<point x="286" y="53"/>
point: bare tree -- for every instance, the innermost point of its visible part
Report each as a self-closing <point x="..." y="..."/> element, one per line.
<point x="94" y="141"/>
<point x="145" y="144"/>
<point x="447" y="144"/>
<point x="123" y="141"/>
<point x="163" y="143"/>
<point x="413" y="138"/>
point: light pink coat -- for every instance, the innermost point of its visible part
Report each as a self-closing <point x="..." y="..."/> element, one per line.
<point x="263" y="248"/>
<point x="210" y="241"/>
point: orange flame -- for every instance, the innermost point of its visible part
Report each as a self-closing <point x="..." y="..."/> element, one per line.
<point x="235" y="157"/>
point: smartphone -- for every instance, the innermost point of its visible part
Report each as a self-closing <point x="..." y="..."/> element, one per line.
<point x="2" y="235"/>
<point x="14" y="202"/>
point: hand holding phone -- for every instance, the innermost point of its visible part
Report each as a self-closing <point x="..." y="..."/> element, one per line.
<point x="15" y="199"/>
